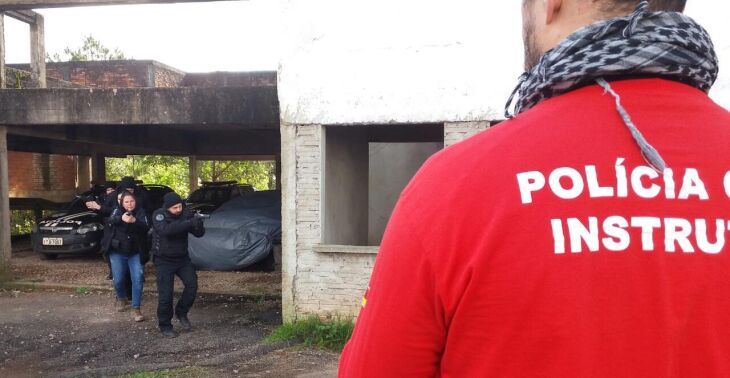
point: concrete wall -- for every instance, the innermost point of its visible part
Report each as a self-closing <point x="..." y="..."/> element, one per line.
<point x="417" y="61"/>
<point x="345" y="197"/>
<point x="19" y="79"/>
<point x="113" y="73"/>
<point x="455" y="132"/>
<point x="330" y="279"/>
<point x="230" y="79"/>
<point x="392" y="165"/>
<point x="410" y="61"/>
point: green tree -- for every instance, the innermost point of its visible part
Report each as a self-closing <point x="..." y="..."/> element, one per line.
<point x="91" y="49"/>
<point x="259" y="174"/>
<point x="173" y="171"/>
<point x="165" y="170"/>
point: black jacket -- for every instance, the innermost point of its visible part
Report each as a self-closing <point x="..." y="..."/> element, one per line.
<point x="170" y="236"/>
<point x="110" y="201"/>
<point x="126" y="238"/>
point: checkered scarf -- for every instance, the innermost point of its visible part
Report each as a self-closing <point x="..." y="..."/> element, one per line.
<point x="643" y="44"/>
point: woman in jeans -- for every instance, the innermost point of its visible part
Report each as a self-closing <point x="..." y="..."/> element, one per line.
<point x="124" y="242"/>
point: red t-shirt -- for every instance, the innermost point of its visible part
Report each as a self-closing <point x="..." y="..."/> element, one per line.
<point x="546" y="247"/>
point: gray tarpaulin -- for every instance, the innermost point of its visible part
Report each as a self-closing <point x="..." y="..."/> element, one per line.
<point x="239" y="233"/>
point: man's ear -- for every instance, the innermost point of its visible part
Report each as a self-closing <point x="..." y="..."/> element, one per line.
<point x="552" y="7"/>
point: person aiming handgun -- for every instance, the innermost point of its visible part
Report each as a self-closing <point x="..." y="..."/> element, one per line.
<point x="171" y="224"/>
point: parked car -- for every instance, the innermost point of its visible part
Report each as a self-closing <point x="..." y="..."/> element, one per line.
<point x="77" y="230"/>
<point x="214" y="194"/>
<point x="240" y="233"/>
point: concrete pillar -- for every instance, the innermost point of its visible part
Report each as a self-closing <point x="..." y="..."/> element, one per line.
<point x="38" y="52"/>
<point x="193" y="173"/>
<point x="2" y="51"/>
<point x="288" y="220"/>
<point x="5" y="251"/>
<point x="455" y="132"/>
<point x="278" y="172"/>
<point x="83" y="173"/>
<point x="98" y="169"/>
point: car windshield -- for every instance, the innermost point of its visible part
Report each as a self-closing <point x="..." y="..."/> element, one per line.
<point x="210" y="195"/>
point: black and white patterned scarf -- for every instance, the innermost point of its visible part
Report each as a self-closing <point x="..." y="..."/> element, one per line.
<point x="643" y="44"/>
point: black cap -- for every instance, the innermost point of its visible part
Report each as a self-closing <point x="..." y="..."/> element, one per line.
<point x="127" y="182"/>
<point x="109" y="185"/>
<point x="170" y="199"/>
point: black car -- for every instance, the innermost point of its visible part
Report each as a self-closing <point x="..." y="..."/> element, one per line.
<point x="77" y="230"/>
<point x="214" y="194"/>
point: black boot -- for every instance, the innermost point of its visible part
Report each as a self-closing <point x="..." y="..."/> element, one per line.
<point x="184" y="323"/>
<point x="169" y="333"/>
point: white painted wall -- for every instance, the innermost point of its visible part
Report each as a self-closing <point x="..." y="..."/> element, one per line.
<point x="418" y="61"/>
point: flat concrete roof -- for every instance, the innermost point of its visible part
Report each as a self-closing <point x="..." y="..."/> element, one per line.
<point x="202" y="107"/>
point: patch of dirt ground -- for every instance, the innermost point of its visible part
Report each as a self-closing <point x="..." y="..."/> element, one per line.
<point x="91" y="271"/>
<point x="75" y="332"/>
<point x="52" y="333"/>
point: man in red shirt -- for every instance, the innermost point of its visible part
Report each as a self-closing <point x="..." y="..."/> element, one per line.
<point x="587" y="236"/>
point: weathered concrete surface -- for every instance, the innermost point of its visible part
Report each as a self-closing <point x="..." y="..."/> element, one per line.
<point x="250" y="107"/>
<point x="2" y="51"/>
<point x="230" y="79"/>
<point x="5" y="251"/>
<point x="288" y="220"/>
<point x="455" y="132"/>
<point x="20" y="79"/>
<point x="38" y="52"/>
<point x="37" y="4"/>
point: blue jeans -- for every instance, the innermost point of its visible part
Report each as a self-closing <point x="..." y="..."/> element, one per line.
<point x="123" y="266"/>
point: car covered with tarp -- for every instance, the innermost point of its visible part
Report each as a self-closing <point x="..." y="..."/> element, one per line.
<point x="240" y="233"/>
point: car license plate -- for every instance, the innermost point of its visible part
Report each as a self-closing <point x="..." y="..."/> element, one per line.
<point x="52" y="241"/>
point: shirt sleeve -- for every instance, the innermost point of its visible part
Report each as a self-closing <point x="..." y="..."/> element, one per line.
<point x="165" y="227"/>
<point x="400" y="331"/>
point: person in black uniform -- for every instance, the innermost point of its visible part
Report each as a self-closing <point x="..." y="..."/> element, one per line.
<point x="172" y="224"/>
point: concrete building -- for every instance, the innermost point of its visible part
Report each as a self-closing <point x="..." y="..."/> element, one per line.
<point x="362" y="100"/>
<point x="365" y="98"/>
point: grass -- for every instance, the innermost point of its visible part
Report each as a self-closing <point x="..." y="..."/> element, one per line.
<point x="170" y="373"/>
<point x="315" y="332"/>
<point x="83" y="290"/>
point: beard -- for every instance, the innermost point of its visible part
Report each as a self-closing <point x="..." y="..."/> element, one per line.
<point x="532" y="52"/>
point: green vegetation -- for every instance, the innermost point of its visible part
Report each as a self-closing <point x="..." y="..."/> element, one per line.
<point x="91" y="49"/>
<point x="165" y="170"/>
<point x="21" y="222"/>
<point x="83" y="290"/>
<point x="171" y="373"/>
<point x="313" y="331"/>
<point x="173" y="171"/>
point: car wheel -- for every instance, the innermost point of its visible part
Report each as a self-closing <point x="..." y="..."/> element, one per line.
<point x="49" y="256"/>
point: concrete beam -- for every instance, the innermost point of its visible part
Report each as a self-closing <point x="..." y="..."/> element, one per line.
<point x="38" y="52"/>
<point x="38" y="4"/>
<point x="152" y="140"/>
<point x="2" y="52"/>
<point x="235" y="157"/>
<point x="5" y="247"/>
<point x="27" y="16"/>
<point x="237" y="142"/>
<point x="51" y="146"/>
<point x="203" y="107"/>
